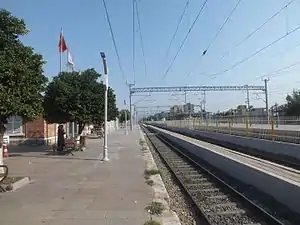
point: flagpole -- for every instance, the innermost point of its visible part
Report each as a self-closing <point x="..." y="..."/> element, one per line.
<point x="60" y="52"/>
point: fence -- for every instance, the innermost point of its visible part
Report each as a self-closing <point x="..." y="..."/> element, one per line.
<point x="287" y="129"/>
<point x="283" y="120"/>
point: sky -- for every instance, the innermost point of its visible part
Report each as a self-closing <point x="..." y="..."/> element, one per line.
<point x="87" y="33"/>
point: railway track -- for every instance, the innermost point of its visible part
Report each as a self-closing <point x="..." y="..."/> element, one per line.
<point x="217" y="202"/>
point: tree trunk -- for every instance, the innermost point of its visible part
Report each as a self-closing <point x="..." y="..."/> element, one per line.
<point x="2" y="130"/>
<point x="82" y="138"/>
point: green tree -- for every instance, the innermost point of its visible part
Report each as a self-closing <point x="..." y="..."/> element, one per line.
<point x="78" y="97"/>
<point x="122" y="115"/>
<point x="292" y="107"/>
<point x="21" y="73"/>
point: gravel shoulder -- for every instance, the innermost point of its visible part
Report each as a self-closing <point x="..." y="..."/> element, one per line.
<point x="179" y="203"/>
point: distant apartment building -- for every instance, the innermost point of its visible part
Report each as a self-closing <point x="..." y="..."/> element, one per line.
<point x="188" y="108"/>
<point x="258" y="112"/>
<point x="175" y="110"/>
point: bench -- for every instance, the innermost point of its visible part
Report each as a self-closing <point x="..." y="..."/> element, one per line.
<point x="70" y="145"/>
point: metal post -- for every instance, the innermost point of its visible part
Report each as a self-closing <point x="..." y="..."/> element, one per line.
<point x="248" y="106"/>
<point x="204" y="105"/>
<point x="125" y="111"/>
<point x="266" y="98"/>
<point x="73" y="129"/>
<point x="248" y="99"/>
<point x="204" y="100"/>
<point x="105" y="154"/>
<point x="130" y="108"/>
<point x="277" y="115"/>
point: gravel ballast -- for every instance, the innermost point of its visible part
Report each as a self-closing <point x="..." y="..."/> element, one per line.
<point x="178" y="200"/>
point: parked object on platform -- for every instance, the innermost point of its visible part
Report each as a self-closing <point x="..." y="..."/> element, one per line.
<point x="5" y="150"/>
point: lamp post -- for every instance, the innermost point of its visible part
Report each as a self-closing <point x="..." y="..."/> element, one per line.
<point x="105" y="154"/>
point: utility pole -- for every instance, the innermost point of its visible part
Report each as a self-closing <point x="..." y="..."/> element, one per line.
<point x="248" y="99"/>
<point x="248" y="106"/>
<point x="204" y="101"/>
<point x="125" y="112"/>
<point x="130" y="108"/>
<point x="266" y="98"/>
<point x="105" y="154"/>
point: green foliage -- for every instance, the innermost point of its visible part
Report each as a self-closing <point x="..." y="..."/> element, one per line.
<point x="292" y="107"/>
<point x="78" y="97"/>
<point x="152" y="222"/>
<point x="149" y="182"/>
<point x="21" y="73"/>
<point x="155" y="208"/>
<point x="151" y="172"/>
<point x="122" y="115"/>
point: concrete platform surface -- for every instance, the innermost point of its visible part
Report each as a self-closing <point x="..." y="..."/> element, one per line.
<point x="80" y="189"/>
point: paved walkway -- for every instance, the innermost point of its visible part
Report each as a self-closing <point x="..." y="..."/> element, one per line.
<point x="80" y="189"/>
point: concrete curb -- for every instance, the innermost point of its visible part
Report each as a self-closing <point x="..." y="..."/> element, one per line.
<point x="20" y="183"/>
<point x="161" y="195"/>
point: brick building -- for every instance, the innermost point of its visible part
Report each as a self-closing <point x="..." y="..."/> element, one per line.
<point x="37" y="131"/>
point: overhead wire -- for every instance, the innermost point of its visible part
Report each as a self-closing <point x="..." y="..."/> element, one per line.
<point x="278" y="71"/>
<point x="255" y="53"/>
<point x="141" y="37"/>
<point x="185" y="38"/>
<point x="177" y="28"/>
<point x="258" y="28"/>
<point x="218" y="33"/>
<point x="114" y="42"/>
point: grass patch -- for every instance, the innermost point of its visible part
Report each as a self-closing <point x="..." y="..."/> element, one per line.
<point x="149" y="182"/>
<point x="152" y="222"/>
<point x="144" y="148"/>
<point x="151" y="172"/>
<point x="155" y="208"/>
<point x="142" y="142"/>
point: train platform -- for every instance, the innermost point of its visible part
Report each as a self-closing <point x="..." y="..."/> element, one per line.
<point x="263" y="126"/>
<point x="80" y="189"/>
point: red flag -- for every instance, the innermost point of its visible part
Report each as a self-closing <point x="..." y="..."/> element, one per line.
<point x="62" y="46"/>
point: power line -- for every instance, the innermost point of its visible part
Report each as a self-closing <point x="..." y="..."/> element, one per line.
<point x="184" y="40"/>
<point x="255" y="53"/>
<point x="259" y="27"/>
<point x="114" y="42"/>
<point x="177" y="28"/>
<point x="133" y="39"/>
<point x="221" y="28"/>
<point x="218" y="33"/>
<point x="141" y="37"/>
<point x="278" y="71"/>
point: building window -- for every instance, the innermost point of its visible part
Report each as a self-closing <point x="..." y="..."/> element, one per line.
<point x="14" y="125"/>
